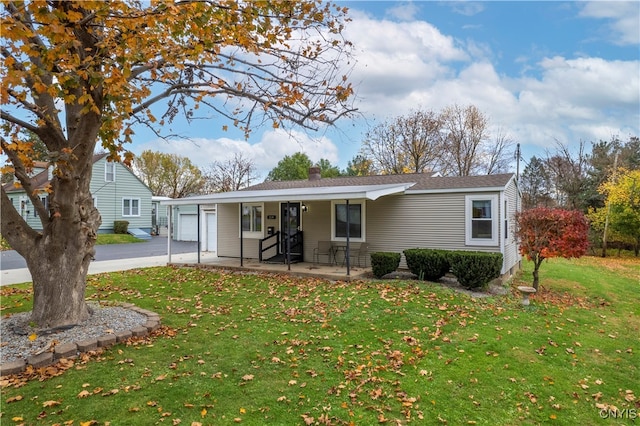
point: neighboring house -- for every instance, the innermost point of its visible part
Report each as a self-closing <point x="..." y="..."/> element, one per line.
<point x="117" y="193"/>
<point x="391" y="213"/>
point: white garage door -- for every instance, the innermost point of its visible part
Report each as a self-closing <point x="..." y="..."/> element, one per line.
<point x="188" y="227"/>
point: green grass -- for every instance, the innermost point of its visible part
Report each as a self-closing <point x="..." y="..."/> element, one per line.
<point x="117" y="239"/>
<point x="260" y="349"/>
<point x="102" y="239"/>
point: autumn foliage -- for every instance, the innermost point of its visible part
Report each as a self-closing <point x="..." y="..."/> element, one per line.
<point x="75" y="74"/>
<point x="545" y="233"/>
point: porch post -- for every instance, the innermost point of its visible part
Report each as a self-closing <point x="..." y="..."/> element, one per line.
<point x="198" y="228"/>
<point x="241" y="237"/>
<point x="169" y="233"/>
<point x="288" y="233"/>
<point x="347" y="251"/>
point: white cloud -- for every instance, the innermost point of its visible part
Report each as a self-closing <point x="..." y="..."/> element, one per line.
<point x="409" y="65"/>
<point x="403" y="11"/>
<point x="272" y="147"/>
<point x="623" y="16"/>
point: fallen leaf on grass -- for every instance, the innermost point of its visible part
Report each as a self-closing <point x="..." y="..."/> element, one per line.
<point x="50" y="403"/>
<point x="14" y="399"/>
<point x="247" y="377"/>
<point x="84" y="394"/>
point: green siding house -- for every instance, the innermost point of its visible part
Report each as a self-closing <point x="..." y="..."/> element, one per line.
<point x="117" y="193"/>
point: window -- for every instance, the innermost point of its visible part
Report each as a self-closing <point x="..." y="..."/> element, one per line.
<point x="45" y="203"/>
<point x="481" y="220"/>
<point x="109" y="171"/>
<point x="356" y="221"/>
<point x="252" y="220"/>
<point x="130" y="207"/>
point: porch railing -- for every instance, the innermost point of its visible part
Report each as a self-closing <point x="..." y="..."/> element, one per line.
<point x="296" y="247"/>
<point x="262" y="242"/>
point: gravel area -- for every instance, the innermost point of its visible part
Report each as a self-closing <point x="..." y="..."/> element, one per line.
<point x="15" y="331"/>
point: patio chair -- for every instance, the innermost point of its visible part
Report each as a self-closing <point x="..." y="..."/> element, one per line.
<point x="324" y="249"/>
<point x="361" y="253"/>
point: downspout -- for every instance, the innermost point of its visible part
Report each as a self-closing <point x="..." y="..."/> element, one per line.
<point x="198" y="228"/>
<point x="348" y="248"/>
<point x="241" y="237"/>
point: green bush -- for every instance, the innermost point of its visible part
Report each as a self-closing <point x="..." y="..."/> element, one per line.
<point x="475" y="269"/>
<point x="120" y="227"/>
<point x="383" y="263"/>
<point x="427" y="264"/>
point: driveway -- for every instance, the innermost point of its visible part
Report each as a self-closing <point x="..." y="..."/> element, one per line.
<point x="156" y="246"/>
<point x="111" y="258"/>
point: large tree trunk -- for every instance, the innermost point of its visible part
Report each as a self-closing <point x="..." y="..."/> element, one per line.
<point x="59" y="264"/>
<point x="58" y="257"/>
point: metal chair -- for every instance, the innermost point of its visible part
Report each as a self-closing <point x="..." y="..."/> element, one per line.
<point x="324" y="249"/>
<point x="362" y="252"/>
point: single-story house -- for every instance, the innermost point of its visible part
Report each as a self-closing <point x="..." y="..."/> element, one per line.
<point x="117" y="193"/>
<point x="389" y="212"/>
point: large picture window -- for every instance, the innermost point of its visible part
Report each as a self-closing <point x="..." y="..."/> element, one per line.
<point x="356" y="221"/>
<point x="130" y="207"/>
<point x="481" y="220"/>
<point x="252" y="220"/>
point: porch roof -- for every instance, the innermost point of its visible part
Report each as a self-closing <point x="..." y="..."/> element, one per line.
<point x="369" y="192"/>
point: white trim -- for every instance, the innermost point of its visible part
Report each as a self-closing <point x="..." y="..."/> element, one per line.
<point x="363" y="220"/>
<point x="131" y="206"/>
<point x="366" y="192"/>
<point x="251" y="234"/>
<point x="468" y="217"/>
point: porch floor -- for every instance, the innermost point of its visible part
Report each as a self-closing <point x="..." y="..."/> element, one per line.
<point x="302" y="269"/>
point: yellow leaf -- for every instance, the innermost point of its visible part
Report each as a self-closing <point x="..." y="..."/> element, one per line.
<point x="17" y="419"/>
<point x="33" y="336"/>
<point x="203" y="412"/>
<point x="243" y="410"/>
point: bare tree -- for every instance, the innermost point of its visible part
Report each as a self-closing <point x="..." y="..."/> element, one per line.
<point x="465" y="130"/>
<point x="497" y="155"/>
<point x="408" y="144"/>
<point x="568" y="174"/>
<point x="231" y="174"/>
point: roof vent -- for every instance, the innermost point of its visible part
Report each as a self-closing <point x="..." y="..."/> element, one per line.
<point x="314" y="173"/>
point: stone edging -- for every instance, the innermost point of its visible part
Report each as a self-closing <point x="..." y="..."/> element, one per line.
<point x="71" y="350"/>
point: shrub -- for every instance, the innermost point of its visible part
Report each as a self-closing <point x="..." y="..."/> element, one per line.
<point x="383" y="263"/>
<point x="427" y="264"/>
<point x="475" y="269"/>
<point x="120" y="227"/>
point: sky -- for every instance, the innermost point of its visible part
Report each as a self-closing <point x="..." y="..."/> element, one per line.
<point x="542" y="72"/>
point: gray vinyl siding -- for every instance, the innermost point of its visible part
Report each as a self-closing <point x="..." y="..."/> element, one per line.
<point x="511" y="255"/>
<point x="111" y="194"/>
<point x="393" y="223"/>
<point x="315" y="224"/>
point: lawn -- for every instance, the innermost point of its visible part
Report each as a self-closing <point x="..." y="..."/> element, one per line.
<point x="102" y="239"/>
<point x="258" y="349"/>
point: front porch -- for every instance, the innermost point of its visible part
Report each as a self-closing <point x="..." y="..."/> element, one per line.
<point x="300" y="269"/>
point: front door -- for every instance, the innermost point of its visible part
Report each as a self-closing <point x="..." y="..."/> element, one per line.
<point x="289" y="226"/>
